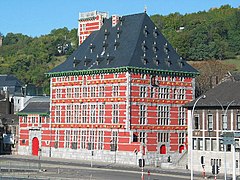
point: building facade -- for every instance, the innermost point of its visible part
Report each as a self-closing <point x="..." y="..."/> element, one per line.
<point x="34" y="127"/>
<point x="89" y="22"/>
<point x="213" y="116"/>
<point x="118" y="97"/>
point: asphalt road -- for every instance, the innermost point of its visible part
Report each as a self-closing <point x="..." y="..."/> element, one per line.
<point x="79" y="170"/>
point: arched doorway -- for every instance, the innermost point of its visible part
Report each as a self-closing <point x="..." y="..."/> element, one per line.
<point x="163" y="149"/>
<point x="35" y="146"/>
<point x="181" y="148"/>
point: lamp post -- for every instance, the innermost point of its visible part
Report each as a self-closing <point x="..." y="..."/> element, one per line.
<point x="191" y="134"/>
<point x="225" y="162"/>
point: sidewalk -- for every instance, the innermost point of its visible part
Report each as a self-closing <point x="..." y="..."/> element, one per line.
<point x="60" y="162"/>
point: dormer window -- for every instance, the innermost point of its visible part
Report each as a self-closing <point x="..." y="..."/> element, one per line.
<point x="116" y="44"/>
<point x="118" y="32"/>
<point x="156" y="60"/>
<point x="144" y="59"/>
<point x="75" y="62"/>
<point x="91" y="47"/>
<point x="106" y="33"/>
<point x="155" y="32"/>
<point x="155" y="47"/>
<point x="109" y="59"/>
<point x="99" y="59"/>
<point x="145" y="31"/>
<point x="180" y="62"/>
<point x="168" y="62"/>
<point x="144" y="46"/>
<point x="86" y="61"/>
<point x="166" y="49"/>
<point x="104" y="45"/>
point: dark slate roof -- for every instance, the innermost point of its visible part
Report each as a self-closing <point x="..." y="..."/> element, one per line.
<point x="38" y="105"/>
<point x="224" y="94"/>
<point x="136" y="32"/>
<point x="236" y="76"/>
<point x="13" y="84"/>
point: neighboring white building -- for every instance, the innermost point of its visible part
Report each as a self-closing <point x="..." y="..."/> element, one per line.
<point x="219" y="112"/>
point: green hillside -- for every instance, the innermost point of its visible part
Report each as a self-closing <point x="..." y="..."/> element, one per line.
<point x="207" y="35"/>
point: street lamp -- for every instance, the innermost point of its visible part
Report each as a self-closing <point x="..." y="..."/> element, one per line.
<point x="234" y="165"/>
<point x="191" y="133"/>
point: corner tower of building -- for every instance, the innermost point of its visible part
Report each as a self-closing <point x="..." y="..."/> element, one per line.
<point x="90" y="22"/>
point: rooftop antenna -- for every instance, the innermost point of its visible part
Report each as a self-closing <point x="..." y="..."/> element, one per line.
<point x="145" y="9"/>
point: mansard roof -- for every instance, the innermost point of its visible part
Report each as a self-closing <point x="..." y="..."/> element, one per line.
<point x="223" y="95"/>
<point x="134" y="42"/>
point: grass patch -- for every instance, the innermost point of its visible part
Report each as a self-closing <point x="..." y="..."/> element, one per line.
<point x="235" y="62"/>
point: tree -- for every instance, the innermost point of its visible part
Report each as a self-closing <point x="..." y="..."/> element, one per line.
<point x="211" y="73"/>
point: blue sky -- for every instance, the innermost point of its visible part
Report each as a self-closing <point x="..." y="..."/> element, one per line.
<point x="39" y="17"/>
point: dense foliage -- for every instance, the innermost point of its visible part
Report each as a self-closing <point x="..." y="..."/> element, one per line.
<point x="29" y="58"/>
<point x="204" y="35"/>
<point x="199" y="36"/>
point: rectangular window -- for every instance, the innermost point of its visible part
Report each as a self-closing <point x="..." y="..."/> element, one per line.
<point x="59" y="93"/>
<point x="83" y="139"/>
<point x="76" y="92"/>
<point x="101" y="91"/>
<point x="207" y="144"/>
<point x="200" y="145"/>
<point x="143" y="91"/>
<point x="101" y="113"/>
<point x="84" y="113"/>
<point x="181" y="116"/>
<point x="24" y="119"/>
<point x="76" y="115"/>
<point x="67" y="138"/>
<point x="93" y="91"/>
<point x="58" y="114"/>
<point x="115" y="113"/>
<point x="181" y="94"/>
<point x="100" y="140"/>
<point x="69" y="92"/>
<point x="152" y="91"/>
<point x="163" y="137"/>
<point x="74" y="139"/>
<point x="142" y="137"/>
<point x="238" y="121"/>
<point x="85" y="92"/>
<point x="93" y="113"/>
<point x="143" y="113"/>
<point x="163" y="93"/>
<point x="56" y="143"/>
<point x="91" y="140"/>
<point x="194" y="144"/>
<point x="114" y="141"/>
<point x="210" y="122"/>
<point x="181" y="138"/>
<point x="163" y="115"/>
<point x="196" y="122"/>
<point x="115" y="91"/>
<point x="224" y="122"/>
<point x="33" y="120"/>
<point x="68" y="114"/>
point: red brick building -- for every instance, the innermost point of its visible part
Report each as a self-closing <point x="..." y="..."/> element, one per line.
<point x="90" y="22"/>
<point x="119" y="96"/>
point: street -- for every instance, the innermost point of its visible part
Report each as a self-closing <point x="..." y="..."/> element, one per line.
<point x="28" y="168"/>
